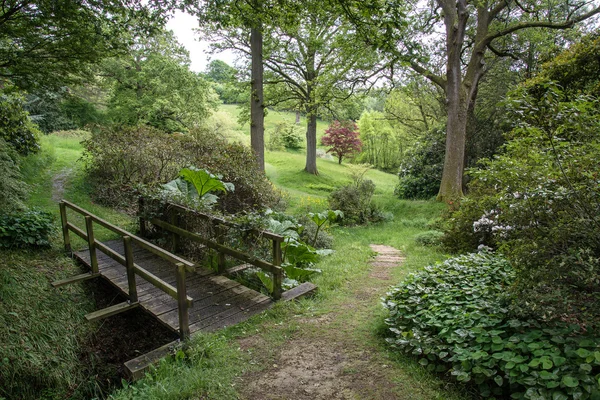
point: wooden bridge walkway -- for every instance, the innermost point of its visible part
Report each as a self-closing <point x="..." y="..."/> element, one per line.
<point x="218" y="301"/>
<point x="182" y="295"/>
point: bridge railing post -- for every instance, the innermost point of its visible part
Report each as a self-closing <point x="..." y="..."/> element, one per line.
<point x="219" y="234"/>
<point x="141" y="209"/>
<point x="173" y="220"/>
<point x="89" y="225"/>
<point x="65" y="228"/>
<point x="133" y="296"/>
<point x="277" y="275"/>
<point x="182" y="306"/>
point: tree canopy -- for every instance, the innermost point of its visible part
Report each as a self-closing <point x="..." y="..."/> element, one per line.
<point x="48" y="43"/>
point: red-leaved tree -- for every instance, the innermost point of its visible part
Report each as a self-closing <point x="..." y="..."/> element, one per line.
<point x="343" y="139"/>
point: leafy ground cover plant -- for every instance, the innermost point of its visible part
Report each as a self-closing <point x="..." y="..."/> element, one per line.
<point x="26" y="229"/>
<point x="455" y="317"/>
<point x="195" y="186"/>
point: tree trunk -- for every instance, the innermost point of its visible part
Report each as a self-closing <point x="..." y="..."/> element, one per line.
<point x="457" y="99"/>
<point x="311" y="142"/>
<point x="454" y="160"/>
<point x="340" y="160"/>
<point x="311" y="115"/>
<point x="257" y="112"/>
<point x="297" y="117"/>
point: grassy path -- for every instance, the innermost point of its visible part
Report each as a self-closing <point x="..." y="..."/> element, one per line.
<point x="337" y="354"/>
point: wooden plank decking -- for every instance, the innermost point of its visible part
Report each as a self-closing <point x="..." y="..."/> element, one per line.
<point x="218" y="301"/>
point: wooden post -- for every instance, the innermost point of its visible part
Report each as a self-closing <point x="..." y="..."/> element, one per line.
<point x="174" y="237"/>
<point x="220" y="240"/>
<point x="277" y="276"/>
<point x="142" y="220"/>
<point x="65" y="229"/>
<point x="184" y="322"/>
<point x="91" y="243"/>
<point x="133" y="297"/>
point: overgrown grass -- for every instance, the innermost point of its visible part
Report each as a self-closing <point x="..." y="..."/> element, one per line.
<point x="42" y="329"/>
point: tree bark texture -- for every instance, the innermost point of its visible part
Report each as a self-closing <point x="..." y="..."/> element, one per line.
<point x="311" y="143"/>
<point x="257" y="112"/>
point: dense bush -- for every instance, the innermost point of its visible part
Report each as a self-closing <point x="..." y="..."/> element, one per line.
<point x="539" y="201"/>
<point x="421" y="169"/>
<point x="16" y="128"/>
<point x="455" y="316"/>
<point x="354" y="201"/>
<point x="429" y="238"/>
<point x="120" y="160"/>
<point x="25" y="229"/>
<point x="286" y="136"/>
<point x="13" y="191"/>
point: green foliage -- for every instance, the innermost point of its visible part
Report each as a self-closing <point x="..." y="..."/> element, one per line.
<point x="13" y="191"/>
<point x="430" y="238"/>
<point x="454" y="317"/>
<point x="153" y="85"/>
<point x="354" y="201"/>
<point x="42" y="339"/>
<point x="421" y="170"/>
<point x="120" y="160"/>
<point x="194" y="186"/>
<point x="52" y="43"/>
<point x="285" y="136"/>
<point x="539" y="202"/>
<point x="383" y="141"/>
<point x="323" y="218"/>
<point x="26" y="229"/>
<point x="16" y="127"/>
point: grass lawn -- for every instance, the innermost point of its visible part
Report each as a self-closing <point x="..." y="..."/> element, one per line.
<point x="272" y="118"/>
<point x="343" y="320"/>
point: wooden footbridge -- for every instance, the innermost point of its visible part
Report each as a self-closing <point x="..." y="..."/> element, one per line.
<point x="183" y="296"/>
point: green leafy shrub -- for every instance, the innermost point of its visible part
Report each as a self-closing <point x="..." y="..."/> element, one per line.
<point x="13" y="191"/>
<point x="16" y="128"/>
<point x="195" y="186"/>
<point x="120" y="160"/>
<point x="285" y="136"/>
<point x="26" y="229"/>
<point x="455" y="316"/>
<point x="420" y="171"/>
<point x="324" y="239"/>
<point x="354" y="201"/>
<point x="430" y="238"/>
<point x="539" y="202"/>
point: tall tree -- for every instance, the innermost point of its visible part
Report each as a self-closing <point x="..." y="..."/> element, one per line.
<point x="48" y="43"/>
<point x="247" y="15"/>
<point x="153" y="85"/>
<point x="311" y="58"/>
<point x="462" y="33"/>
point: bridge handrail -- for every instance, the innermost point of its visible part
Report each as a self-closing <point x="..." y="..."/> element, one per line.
<point x="273" y="268"/>
<point x="179" y="293"/>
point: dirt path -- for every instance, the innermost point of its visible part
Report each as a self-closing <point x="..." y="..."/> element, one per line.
<point x="334" y="355"/>
<point x="58" y="184"/>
